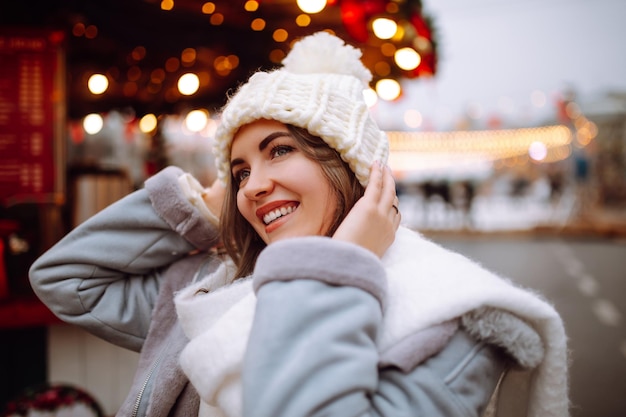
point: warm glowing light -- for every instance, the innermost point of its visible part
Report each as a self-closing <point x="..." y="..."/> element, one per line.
<point x="277" y="55"/>
<point x="400" y="34"/>
<point x="188" y="84"/>
<point x="391" y="8"/>
<point x="138" y="53"/>
<point x="573" y="110"/>
<point x="538" y="151"/>
<point x="382" y="68"/>
<point x="233" y="61"/>
<point x="580" y="122"/>
<point x="384" y="28"/>
<point x="311" y="6"/>
<point x="216" y="19"/>
<point x="413" y="118"/>
<point x="489" y="144"/>
<point x="388" y="89"/>
<point x="188" y="56"/>
<point x="593" y="129"/>
<point x="407" y="58"/>
<point x="257" y="24"/>
<point x="167" y="4"/>
<point x="196" y="120"/>
<point x="303" y="20"/>
<point x="91" y="32"/>
<point x="586" y="131"/>
<point x="78" y="29"/>
<point x="225" y="64"/>
<point x="251" y="6"/>
<point x="388" y="49"/>
<point x="148" y="123"/>
<point x="370" y="97"/>
<point x="98" y="84"/>
<point x="92" y="123"/>
<point x="222" y="65"/>
<point x="208" y="8"/>
<point x="422" y="44"/>
<point x="280" y="35"/>
<point x="172" y="64"/>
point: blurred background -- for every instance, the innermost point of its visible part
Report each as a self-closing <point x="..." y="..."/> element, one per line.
<point x="506" y="119"/>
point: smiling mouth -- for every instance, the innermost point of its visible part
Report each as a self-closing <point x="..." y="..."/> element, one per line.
<point x="277" y="214"/>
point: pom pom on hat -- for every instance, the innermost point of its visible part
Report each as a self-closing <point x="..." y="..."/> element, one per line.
<point x="325" y="53"/>
<point x="319" y="88"/>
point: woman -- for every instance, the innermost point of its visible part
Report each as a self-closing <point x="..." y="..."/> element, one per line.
<point x="321" y="307"/>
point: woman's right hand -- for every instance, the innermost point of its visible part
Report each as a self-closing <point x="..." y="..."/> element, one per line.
<point x="374" y="219"/>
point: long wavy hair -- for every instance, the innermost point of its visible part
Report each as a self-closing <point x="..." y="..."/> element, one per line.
<point x="241" y="241"/>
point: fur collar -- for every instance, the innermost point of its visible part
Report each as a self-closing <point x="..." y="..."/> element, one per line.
<point x="427" y="286"/>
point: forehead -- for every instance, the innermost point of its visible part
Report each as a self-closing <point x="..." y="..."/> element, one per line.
<point x="255" y="132"/>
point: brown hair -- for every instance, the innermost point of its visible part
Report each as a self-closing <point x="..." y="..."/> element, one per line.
<point x="241" y="241"/>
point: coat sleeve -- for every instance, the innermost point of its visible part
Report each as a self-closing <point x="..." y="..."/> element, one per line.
<point x="312" y="349"/>
<point x="105" y="274"/>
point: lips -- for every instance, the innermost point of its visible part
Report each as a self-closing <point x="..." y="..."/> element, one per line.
<point x="273" y="211"/>
<point x="275" y="214"/>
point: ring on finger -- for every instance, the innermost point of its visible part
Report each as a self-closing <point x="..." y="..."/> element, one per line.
<point x="396" y="208"/>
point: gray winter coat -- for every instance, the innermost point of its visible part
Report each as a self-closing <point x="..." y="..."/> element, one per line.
<point x="115" y="275"/>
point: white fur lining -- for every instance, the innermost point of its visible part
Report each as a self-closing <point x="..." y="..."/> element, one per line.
<point x="427" y="285"/>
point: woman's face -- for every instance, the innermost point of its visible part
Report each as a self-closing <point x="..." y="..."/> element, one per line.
<point x="281" y="192"/>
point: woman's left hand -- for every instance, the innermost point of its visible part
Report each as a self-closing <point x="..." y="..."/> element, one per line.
<point x="213" y="197"/>
<point x="374" y="219"/>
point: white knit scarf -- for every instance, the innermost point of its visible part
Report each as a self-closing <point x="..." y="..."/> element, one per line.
<point x="427" y="285"/>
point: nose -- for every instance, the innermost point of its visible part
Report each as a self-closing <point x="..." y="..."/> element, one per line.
<point x="258" y="184"/>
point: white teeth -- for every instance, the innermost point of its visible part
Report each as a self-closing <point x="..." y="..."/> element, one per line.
<point x="274" y="214"/>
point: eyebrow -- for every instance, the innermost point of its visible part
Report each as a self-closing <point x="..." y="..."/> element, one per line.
<point x="262" y="145"/>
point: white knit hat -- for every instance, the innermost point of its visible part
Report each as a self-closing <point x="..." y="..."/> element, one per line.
<point x="319" y="88"/>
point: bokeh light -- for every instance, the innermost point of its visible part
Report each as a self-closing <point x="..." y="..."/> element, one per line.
<point x="407" y="58"/>
<point x="98" y="84"/>
<point x="196" y="120"/>
<point x="92" y="123"/>
<point x="388" y="89"/>
<point x="148" y="123"/>
<point x="384" y="28"/>
<point x="188" y="84"/>
<point x="311" y="6"/>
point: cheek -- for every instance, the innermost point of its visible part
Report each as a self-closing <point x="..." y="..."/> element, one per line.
<point x="244" y="206"/>
<point x="324" y="195"/>
<point x="313" y="180"/>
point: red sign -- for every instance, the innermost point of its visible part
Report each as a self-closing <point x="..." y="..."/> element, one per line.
<point x="32" y="116"/>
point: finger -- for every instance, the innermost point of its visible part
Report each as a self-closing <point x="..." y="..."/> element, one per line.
<point x="375" y="184"/>
<point x="388" y="197"/>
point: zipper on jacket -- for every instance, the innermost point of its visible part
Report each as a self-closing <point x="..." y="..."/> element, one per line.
<point x="202" y="270"/>
<point x="145" y="383"/>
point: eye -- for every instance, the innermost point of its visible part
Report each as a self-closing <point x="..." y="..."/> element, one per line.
<point x="241" y="175"/>
<point x="280" y="150"/>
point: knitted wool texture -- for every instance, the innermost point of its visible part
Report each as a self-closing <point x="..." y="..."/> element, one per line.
<point x="319" y="88"/>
